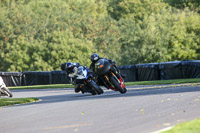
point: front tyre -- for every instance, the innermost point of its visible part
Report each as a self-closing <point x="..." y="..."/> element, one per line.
<point x="115" y="81"/>
<point x="6" y="91"/>
<point x="95" y="87"/>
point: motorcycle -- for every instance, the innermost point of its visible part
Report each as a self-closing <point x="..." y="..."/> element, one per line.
<point x="85" y="82"/>
<point x="4" y="91"/>
<point x="109" y="76"/>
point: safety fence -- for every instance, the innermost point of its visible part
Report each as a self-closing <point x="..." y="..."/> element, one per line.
<point x="34" y="78"/>
<point x="138" y="72"/>
<point x="162" y="71"/>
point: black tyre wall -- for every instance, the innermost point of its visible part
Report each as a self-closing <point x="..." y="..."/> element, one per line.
<point x="12" y="78"/>
<point x="59" y="77"/>
<point x="37" y="78"/>
<point x="148" y="72"/>
<point x="170" y="70"/>
<point x="191" y="69"/>
<point x="129" y="71"/>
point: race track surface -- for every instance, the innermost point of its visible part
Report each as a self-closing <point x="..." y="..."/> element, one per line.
<point x="143" y="109"/>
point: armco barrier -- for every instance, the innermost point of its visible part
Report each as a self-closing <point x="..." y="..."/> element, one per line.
<point x="12" y="78"/>
<point x="170" y="70"/>
<point x="129" y="71"/>
<point x="191" y="69"/>
<point x="148" y="72"/>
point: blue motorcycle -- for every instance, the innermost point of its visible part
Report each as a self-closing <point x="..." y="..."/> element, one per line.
<point x="85" y="82"/>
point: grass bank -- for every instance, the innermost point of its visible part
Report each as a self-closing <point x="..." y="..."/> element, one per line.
<point x="155" y="82"/>
<point x="12" y="101"/>
<point x="159" y="82"/>
<point x="186" y="127"/>
<point x="42" y="86"/>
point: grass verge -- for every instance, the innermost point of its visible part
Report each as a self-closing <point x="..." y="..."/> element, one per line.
<point x="159" y="82"/>
<point x="12" y="101"/>
<point x="155" y="82"/>
<point x="43" y="86"/>
<point x="186" y="127"/>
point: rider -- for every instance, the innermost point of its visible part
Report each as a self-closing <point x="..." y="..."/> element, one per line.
<point x="71" y="69"/>
<point x="94" y="58"/>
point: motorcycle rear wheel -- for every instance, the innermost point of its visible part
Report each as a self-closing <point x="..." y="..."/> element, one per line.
<point x="117" y="85"/>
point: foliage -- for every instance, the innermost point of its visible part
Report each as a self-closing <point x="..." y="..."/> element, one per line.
<point x="160" y="38"/>
<point x="193" y="5"/>
<point x="135" y="9"/>
<point x="184" y="39"/>
<point x="40" y="35"/>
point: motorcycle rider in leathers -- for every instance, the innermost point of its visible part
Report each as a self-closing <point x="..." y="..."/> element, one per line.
<point x="94" y="58"/>
<point x="71" y="69"/>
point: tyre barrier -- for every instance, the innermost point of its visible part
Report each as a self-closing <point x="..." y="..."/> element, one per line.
<point x="36" y="78"/>
<point x="129" y="71"/>
<point x="138" y="72"/>
<point x="148" y="72"/>
<point x="12" y="78"/>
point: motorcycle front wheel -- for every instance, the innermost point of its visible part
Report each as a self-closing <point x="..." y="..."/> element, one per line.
<point x="115" y="81"/>
<point x="95" y="87"/>
<point x="6" y="91"/>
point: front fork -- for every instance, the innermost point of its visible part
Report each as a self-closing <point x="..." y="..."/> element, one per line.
<point x="116" y="71"/>
<point x="111" y="85"/>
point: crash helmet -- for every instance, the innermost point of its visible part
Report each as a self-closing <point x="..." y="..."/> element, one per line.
<point x="69" y="67"/>
<point x="94" y="57"/>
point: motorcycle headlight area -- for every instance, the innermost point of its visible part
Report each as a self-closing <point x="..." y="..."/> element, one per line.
<point x="80" y="71"/>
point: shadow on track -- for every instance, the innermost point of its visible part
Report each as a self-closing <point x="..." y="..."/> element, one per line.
<point x="113" y="94"/>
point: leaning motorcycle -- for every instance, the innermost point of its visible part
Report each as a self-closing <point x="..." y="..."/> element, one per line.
<point x="85" y="82"/>
<point x="4" y="91"/>
<point x="110" y="77"/>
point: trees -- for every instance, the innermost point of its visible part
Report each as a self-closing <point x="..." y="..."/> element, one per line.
<point x="135" y="9"/>
<point x="193" y="5"/>
<point x="184" y="43"/>
<point x="39" y="35"/>
<point x="165" y="35"/>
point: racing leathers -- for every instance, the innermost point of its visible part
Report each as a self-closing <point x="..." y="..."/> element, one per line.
<point x="71" y="75"/>
<point x="92" y="69"/>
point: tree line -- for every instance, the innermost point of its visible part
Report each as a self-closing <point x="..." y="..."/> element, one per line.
<point x="40" y="35"/>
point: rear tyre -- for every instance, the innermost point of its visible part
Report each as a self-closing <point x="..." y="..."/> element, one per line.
<point x="117" y="85"/>
<point x="6" y="91"/>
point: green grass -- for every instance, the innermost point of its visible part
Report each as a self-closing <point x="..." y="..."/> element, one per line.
<point x="159" y="82"/>
<point x="43" y="86"/>
<point x="12" y="101"/>
<point x="155" y="82"/>
<point x="186" y="127"/>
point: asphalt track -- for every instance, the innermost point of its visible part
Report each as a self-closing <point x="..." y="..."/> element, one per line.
<point x="143" y="109"/>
